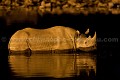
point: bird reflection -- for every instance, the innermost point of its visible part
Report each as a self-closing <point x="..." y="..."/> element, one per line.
<point x="81" y="65"/>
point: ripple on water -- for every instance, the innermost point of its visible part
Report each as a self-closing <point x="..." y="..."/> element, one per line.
<point x="52" y="65"/>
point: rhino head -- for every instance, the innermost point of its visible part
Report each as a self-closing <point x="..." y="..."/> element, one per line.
<point x="85" y="43"/>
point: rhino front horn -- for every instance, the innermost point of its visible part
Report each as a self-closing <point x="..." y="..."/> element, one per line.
<point x="94" y="38"/>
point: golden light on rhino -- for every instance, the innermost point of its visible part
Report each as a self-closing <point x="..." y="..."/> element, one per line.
<point x="50" y="39"/>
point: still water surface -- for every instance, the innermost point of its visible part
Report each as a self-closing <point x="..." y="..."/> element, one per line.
<point x="53" y="65"/>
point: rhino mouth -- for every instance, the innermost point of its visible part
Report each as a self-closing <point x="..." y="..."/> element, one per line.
<point x="91" y="48"/>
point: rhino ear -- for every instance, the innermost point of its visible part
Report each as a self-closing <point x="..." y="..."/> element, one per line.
<point x="77" y="34"/>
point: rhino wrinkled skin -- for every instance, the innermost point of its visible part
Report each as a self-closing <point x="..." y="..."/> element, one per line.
<point x="54" y="38"/>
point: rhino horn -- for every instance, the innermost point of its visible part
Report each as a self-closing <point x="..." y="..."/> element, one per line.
<point x="93" y="39"/>
<point x="87" y="31"/>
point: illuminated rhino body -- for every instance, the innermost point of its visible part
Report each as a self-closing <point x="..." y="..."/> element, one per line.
<point x="50" y="39"/>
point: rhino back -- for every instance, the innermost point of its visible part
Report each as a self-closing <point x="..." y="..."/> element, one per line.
<point x="57" y="37"/>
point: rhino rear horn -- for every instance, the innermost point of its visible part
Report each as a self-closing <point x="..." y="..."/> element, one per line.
<point x="87" y="31"/>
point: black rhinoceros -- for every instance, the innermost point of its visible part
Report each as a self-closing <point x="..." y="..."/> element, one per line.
<point x="50" y="39"/>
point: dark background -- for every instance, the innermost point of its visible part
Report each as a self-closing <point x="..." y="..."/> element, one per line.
<point x="106" y="26"/>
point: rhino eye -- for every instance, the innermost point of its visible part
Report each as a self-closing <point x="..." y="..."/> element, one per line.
<point x="85" y="42"/>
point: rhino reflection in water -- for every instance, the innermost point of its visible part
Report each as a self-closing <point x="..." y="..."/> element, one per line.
<point x="54" y="38"/>
<point x="53" y="65"/>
